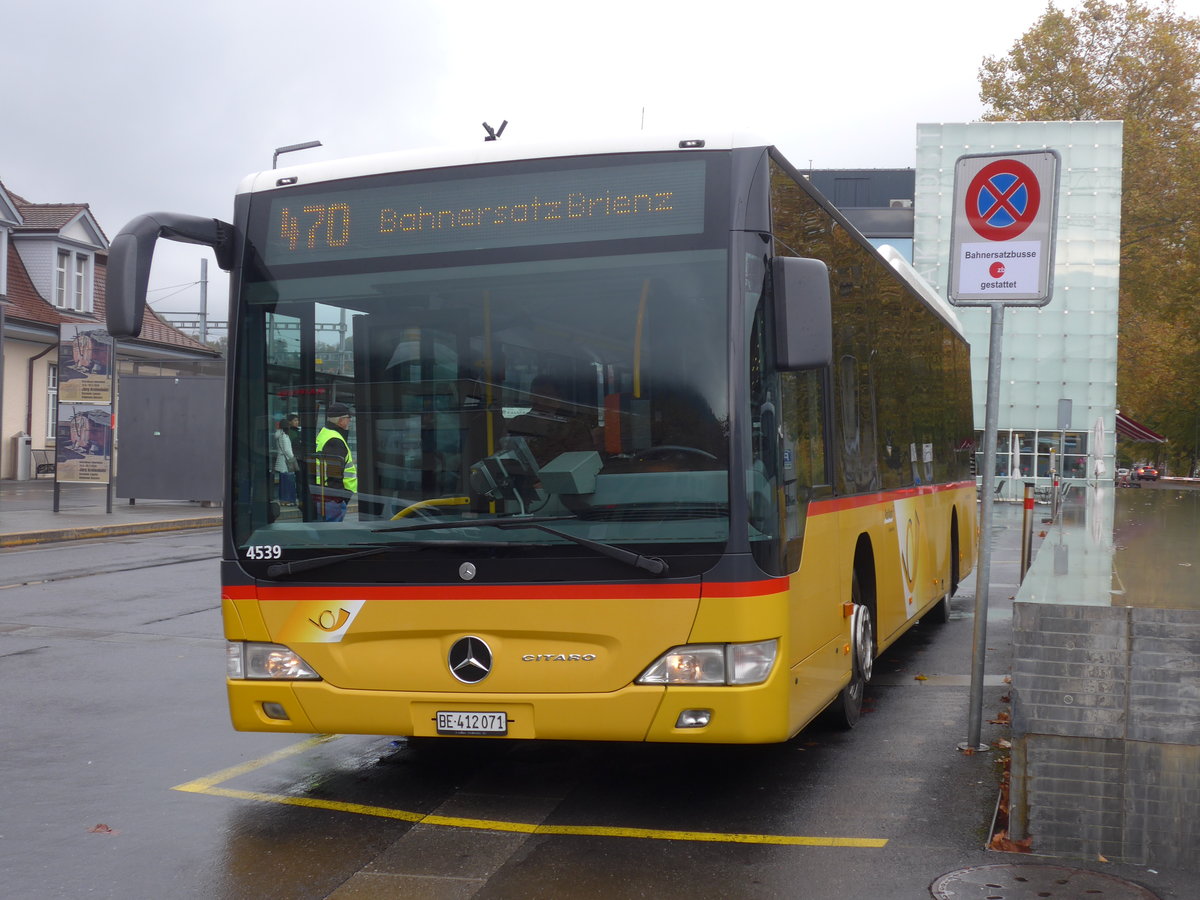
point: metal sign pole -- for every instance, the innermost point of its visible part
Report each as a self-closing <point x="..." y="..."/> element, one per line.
<point x="1001" y="254"/>
<point x="988" y="491"/>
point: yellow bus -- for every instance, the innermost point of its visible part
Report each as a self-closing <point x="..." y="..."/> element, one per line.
<point x="636" y="443"/>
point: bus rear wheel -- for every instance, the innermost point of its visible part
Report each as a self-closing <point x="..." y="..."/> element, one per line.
<point x="940" y="613"/>
<point x="847" y="708"/>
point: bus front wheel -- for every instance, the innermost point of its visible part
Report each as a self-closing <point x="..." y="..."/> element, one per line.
<point x="847" y="708"/>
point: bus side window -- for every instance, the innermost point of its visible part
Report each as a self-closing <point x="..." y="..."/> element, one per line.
<point x="856" y="404"/>
<point x="763" y="480"/>
<point x="789" y="456"/>
<point x="804" y="453"/>
<point x="848" y="371"/>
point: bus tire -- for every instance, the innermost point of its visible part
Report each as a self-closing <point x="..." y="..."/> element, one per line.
<point x="955" y="574"/>
<point x="847" y="708"/>
<point x="939" y="614"/>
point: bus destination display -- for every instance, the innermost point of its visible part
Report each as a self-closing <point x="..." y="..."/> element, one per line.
<point x="609" y="203"/>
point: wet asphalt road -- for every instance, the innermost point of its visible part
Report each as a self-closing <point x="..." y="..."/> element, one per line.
<point x="121" y="776"/>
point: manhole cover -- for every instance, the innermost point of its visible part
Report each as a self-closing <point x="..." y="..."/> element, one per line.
<point x="1031" y="881"/>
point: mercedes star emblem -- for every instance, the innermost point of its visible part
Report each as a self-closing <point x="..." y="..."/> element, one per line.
<point x="470" y="659"/>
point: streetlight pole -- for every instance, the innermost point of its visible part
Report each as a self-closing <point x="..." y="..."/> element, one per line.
<point x="203" y="300"/>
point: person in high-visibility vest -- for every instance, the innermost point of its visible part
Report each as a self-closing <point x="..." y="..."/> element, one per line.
<point x="336" y="476"/>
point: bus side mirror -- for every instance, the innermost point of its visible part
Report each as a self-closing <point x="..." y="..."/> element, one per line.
<point x="132" y="251"/>
<point x="803" y="314"/>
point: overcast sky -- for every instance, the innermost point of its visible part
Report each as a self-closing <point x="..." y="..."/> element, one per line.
<point x="134" y="106"/>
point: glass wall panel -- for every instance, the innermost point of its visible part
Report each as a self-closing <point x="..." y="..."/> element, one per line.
<point x="1066" y="349"/>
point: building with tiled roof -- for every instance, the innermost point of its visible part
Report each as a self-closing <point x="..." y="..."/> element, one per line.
<point x="53" y="259"/>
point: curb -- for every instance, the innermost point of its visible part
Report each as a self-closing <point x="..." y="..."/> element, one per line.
<point x="86" y="532"/>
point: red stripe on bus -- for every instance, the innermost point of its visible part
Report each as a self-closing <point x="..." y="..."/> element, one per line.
<point x="861" y="501"/>
<point x="648" y="590"/>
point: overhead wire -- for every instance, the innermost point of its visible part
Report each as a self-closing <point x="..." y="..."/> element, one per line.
<point x="181" y="289"/>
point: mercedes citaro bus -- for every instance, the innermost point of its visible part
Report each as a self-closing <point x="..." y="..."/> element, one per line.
<point x="647" y="443"/>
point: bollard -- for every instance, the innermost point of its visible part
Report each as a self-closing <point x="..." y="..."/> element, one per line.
<point x="24" y="456"/>
<point x="1027" y="531"/>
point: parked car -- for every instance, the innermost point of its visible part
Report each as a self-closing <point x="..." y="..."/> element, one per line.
<point x="1145" y="473"/>
<point x="1122" y="476"/>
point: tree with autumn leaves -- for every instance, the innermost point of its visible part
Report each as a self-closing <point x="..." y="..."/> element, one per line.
<point x="1139" y="63"/>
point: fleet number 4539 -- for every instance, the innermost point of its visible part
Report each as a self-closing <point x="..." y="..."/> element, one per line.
<point x="264" y="551"/>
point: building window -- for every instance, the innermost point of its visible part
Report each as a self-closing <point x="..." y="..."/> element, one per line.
<point x="51" y="401"/>
<point x="71" y="281"/>
<point x="79" y="287"/>
<point x="1037" y="454"/>
<point x="60" y="279"/>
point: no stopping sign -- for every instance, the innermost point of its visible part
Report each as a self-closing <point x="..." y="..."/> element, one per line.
<point x="1002" y="245"/>
<point x="1003" y="199"/>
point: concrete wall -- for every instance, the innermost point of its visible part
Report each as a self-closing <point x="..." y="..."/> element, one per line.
<point x="1106" y="732"/>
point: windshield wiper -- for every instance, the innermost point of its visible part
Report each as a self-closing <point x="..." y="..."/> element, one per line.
<point x="652" y="564"/>
<point x="666" y="513"/>
<point x="320" y="562"/>
<point x="496" y="521"/>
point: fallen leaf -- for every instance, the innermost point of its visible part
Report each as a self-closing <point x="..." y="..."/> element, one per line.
<point x="1002" y="719"/>
<point x="1001" y="841"/>
<point x="1101" y="857"/>
<point x="920" y="678"/>
<point x="100" y="829"/>
<point x="1003" y="744"/>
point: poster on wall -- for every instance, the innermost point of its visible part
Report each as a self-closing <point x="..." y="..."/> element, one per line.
<point x="84" y="442"/>
<point x="85" y="364"/>
<point x="83" y="428"/>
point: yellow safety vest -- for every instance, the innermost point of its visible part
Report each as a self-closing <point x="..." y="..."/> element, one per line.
<point x="349" y="470"/>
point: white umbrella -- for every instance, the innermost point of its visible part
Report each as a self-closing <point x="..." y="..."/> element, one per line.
<point x="1098" y="446"/>
<point x="1014" y="464"/>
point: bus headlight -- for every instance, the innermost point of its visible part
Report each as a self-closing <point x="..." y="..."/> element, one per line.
<point x="751" y="663"/>
<point x="713" y="664"/>
<point x="250" y="660"/>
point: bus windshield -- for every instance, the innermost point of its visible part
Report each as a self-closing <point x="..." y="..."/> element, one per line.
<point x="590" y="389"/>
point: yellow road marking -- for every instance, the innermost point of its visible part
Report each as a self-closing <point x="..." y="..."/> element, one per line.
<point x="210" y="785"/>
<point x="658" y="834"/>
<point x="201" y="784"/>
<point x="310" y="802"/>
